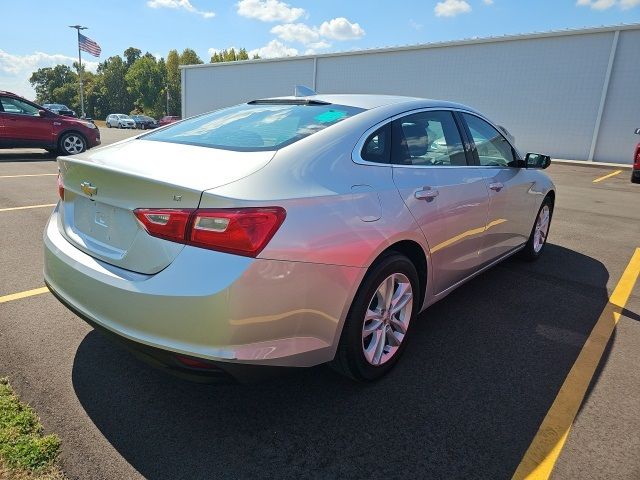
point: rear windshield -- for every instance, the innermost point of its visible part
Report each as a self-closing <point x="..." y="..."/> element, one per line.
<point x="254" y="127"/>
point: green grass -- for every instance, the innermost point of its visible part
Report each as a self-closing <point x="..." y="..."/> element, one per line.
<point x="25" y="453"/>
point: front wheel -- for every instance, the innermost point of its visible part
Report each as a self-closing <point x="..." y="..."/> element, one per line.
<point x="377" y="326"/>
<point x="539" y="233"/>
<point x="71" y="144"/>
<point x="108" y="125"/>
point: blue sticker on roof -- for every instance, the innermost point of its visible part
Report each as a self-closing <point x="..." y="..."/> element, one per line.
<point x="330" y="116"/>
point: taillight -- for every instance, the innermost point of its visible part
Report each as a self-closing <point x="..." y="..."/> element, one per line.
<point x="637" y="157"/>
<point x="60" y="188"/>
<point x="242" y="231"/>
<point x="170" y="224"/>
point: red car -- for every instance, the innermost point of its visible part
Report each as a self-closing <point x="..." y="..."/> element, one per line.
<point x="24" y="124"/>
<point x="167" y="120"/>
<point x="635" y="173"/>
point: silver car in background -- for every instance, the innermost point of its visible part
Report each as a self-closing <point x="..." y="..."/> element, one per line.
<point x="290" y="231"/>
<point x="119" y="120"/>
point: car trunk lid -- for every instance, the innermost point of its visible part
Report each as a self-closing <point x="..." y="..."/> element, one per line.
<point x="103" y="187"/>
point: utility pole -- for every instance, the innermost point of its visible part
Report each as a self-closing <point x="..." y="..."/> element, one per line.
<point x="167" y="98"/>
<point x="78" y="28"/>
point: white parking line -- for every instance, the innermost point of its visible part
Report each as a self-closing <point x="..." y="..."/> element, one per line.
<point x="32" y="175"/>
<point x="27" y="207"/>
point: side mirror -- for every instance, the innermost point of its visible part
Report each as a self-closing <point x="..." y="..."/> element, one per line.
<point x="537" y="160"/>
<point x="637" y="132"/>
<point x="43" y="113"/>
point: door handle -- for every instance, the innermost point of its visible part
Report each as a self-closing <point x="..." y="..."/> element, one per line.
<point x="427" y="193"/>
<point x="496" y="187"/>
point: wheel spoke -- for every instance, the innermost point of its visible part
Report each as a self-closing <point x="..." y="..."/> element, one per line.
<point x="375" y="348"/>
<point x="402" y="297"/>
<point x="398" y="325"/>
<point x="370" y="328"/>
<point x="392" y="338"/>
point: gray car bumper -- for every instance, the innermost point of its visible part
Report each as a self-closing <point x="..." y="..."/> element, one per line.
<point x="209" y="304"/>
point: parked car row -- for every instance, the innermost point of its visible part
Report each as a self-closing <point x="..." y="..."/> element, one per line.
<point x="141" y="122"/>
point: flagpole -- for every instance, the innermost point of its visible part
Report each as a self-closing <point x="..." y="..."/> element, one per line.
<point x="78" y="28"/>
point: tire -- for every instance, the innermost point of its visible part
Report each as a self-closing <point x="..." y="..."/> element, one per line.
<point x="72" y="143"/>
<point x="535" y="245"/>
<point x="357" y="356"/>
<point x="108" y="125"/>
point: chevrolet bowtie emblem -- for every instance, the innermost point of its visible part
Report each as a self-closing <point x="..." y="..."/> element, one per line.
<point x="88" y="189"/>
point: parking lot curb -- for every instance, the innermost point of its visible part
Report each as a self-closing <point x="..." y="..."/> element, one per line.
<point x="584" y="163"/>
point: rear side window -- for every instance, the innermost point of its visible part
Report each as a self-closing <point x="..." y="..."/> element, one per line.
<point x="377" y="147"/>
<point x="254" y="127"/>
<point x="427" y="139"/>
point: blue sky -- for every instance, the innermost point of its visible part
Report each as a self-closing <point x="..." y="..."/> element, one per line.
<point x="272" y="27"/>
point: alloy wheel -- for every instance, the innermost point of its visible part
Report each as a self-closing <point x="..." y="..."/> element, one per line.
<point x="73" y="144"/>
<point x="542" y="228"/>
<point x="387" y="319"/>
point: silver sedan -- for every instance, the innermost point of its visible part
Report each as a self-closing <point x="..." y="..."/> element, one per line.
<point x="290" y="231"/>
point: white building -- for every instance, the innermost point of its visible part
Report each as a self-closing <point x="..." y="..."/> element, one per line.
<point x="573" y="94"/>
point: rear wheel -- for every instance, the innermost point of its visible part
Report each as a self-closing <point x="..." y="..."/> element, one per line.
<point x="72" y="143"/>
<point x="539" y="233"/>
<point x="376" y="329"/>
<point x="108" y="125"/>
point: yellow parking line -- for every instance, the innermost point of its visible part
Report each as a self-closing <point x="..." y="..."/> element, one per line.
<point x="27" y="207"/>
<point x="599" y="179"/>
<point x="542" y="454"/>
<point x="19" y="295"/>
<point x="31" y="175"/>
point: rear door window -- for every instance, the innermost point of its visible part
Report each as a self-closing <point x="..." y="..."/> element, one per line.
<point x="428" y="139"/>
<point x="255" y="127"/>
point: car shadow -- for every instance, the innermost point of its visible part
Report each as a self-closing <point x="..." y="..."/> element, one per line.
<point x="30" y="156"/>
<point x="481" y="371"/>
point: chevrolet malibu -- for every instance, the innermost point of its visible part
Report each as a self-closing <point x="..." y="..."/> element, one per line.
<point x="290" y="231"/>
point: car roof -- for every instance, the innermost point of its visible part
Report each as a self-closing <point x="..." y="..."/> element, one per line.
<point x="369" y="101"/>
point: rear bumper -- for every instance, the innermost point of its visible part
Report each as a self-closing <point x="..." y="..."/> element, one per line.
<point x="209" y="305"/>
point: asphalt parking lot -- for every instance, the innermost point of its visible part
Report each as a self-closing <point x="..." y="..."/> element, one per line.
<point x="485" y="368"/>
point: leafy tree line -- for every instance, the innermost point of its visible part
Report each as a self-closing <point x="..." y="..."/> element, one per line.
<point x="132" y="83"/>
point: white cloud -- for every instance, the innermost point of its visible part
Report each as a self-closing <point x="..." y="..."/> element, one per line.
<point x="451" y="8"/>
<point x="296" y="32"/>
<point x="488" y="2"/>
<point x="313" y="48"/>
<point x="274" y="49"/>
<point x="15" y="70"/>
<point x="180" y="4"/>
<point x="341" y="29"/>
<point x="415" y="25"/>
<point x="606" y="4"/>
<point x="269" y="10"/>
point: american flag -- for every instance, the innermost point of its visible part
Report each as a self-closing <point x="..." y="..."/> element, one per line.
<point x="88" y="45"/>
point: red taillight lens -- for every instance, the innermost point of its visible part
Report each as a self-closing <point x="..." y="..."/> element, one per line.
<point x="60" y="188"/>
<point x="170" y="224"/>
<point x="637" y="157"/>
<point x="242" y="231"/>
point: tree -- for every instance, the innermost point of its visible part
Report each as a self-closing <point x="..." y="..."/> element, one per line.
<point x="190" y="57"/>
<point x="173" y="82"/>
<point x="115" y="96"/>
<point x="48" y="81"/>
<point x="145" y="84"/>
<point x="230" y="55"/>
<point x="132" y="54"/>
